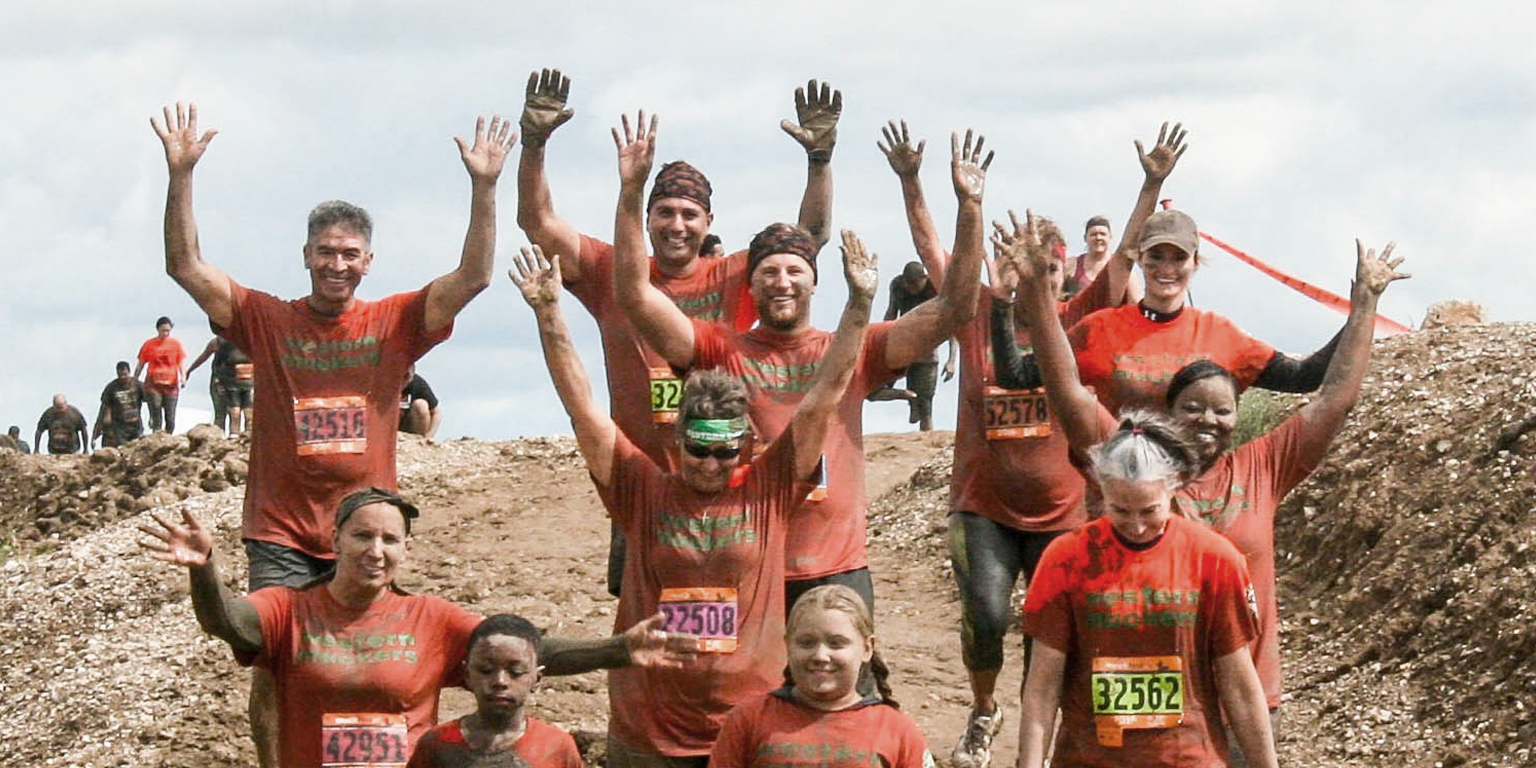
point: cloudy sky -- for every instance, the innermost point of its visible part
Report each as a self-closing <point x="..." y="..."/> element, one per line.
<point x="1310" y="124"/>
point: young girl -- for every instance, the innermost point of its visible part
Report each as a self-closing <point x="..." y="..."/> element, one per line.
<point x="819" y="718"/>
<point x="501" y="670"/>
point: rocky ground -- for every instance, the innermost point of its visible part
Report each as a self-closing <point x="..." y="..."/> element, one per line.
<point x="1406" y="561"/>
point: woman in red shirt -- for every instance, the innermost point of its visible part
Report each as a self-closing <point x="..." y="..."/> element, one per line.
<point x="1129" y="353"/>
<point x="1139" y="625"/>
<point x="358" y="661"/>
<point x="167" y="363"/>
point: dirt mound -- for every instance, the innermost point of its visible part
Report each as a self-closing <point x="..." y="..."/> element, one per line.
<point x="1407" y="561"/>
<point x="46" y="498"/>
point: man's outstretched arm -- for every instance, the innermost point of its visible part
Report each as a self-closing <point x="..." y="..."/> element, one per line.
<point x="207" y="284"/>
<point x="484" y="160"/>
<point x="544" y="110"/>
<point x="817" y="109"/>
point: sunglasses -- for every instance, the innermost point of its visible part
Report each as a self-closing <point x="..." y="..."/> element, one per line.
<point x="721" y="452"/>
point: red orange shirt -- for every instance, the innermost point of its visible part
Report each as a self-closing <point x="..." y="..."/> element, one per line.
<point x="392" y="657"/>
<point x="328" y="395"/>
<point x="715" y="292"/>
<point x="1188" y="597"/>
<point x="163" y="359"/>
<point x="1129" y="359"/>
<point x="679" y="539"/>
<point x="827" y="536"/>
<point x="1238" y="496"/>
<point x="1026" y="483"/>
<point x="774" y="731"/>
<point x="541" y="746"/>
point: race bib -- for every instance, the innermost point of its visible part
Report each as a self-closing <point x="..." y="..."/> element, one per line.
<point x="1136" y="692"/>
<point x="1014" y="414"/>
<point x="245" y="371"/>
<point x="709" y="612"/>
<point x="323" y="425"/>
<point x="363" y="740"/>
<point x="666" y="395"/>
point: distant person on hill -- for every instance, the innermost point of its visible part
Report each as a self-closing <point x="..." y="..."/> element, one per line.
<point x="777" y="359"/>
<point x="118" y="419"/>
<point x="328" y="366"/>
<point x="909" y="289"/>
<point x="12" y="439"/>
<point x="66" y="428"/>
<point x="1236" y="492"/>
<point x="1080" y="270"/>
<point x="419" y="414"/>
<point x="167" y="363"/>
<point x="643" y="389"/>
<point x="501" y="668"/>
<point x="231" y="385"/>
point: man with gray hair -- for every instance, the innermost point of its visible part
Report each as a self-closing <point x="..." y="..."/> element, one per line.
<point x="328" y="366"/>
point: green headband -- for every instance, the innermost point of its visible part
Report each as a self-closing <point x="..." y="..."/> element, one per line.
<point x="714" y="430"/>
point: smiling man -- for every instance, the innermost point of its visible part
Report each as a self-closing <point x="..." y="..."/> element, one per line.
<point x="778" y="358"/>
<point x="329" y="366"/>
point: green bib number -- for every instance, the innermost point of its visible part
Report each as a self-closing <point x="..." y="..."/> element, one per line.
<point x="1138" y="693"/>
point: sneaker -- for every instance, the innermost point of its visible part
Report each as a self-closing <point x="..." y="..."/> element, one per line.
<point x="975" y="747"/>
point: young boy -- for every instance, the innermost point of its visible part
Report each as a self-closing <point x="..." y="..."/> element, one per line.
<point x="501" y="670"/>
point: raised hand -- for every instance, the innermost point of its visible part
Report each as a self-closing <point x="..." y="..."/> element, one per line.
<point x="544" y="107"/>
<point x="1374" y="272"/>
<point x="488" y="154"/>
<point x="905" y="159"/>
<point x="537" y="277"/>
<point x="637" y="149"/>
<point x="1022" y="248"/>
<point x="967" y="166"/>
<point x="183" y="147"/>
<point x="185" y="544"/>
<point x="859" y="267"/>
<point x="651" y="646"/>
<point x="1158" y="163"/>
<point x="817" y="109"/>
<point x="1002" y="276"/>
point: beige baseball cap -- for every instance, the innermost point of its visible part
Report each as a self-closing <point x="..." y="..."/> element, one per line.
<point x="1170" y="226"/>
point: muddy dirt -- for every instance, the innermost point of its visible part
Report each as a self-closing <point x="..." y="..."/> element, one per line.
<point x="1407" y="575"/>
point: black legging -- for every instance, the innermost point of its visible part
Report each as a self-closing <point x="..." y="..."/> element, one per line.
<point x="988" y="558"/>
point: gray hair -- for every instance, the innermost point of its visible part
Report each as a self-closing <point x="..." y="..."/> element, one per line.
<point x="1147" y="447"/>
<point x="333" y="212"/>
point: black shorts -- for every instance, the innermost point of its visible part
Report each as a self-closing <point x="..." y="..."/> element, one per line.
<point x="274" y="565"/>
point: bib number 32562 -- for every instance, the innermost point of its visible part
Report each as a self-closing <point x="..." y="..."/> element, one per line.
<point x="1136" y="692"/>
<point x="363" y="740"/>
